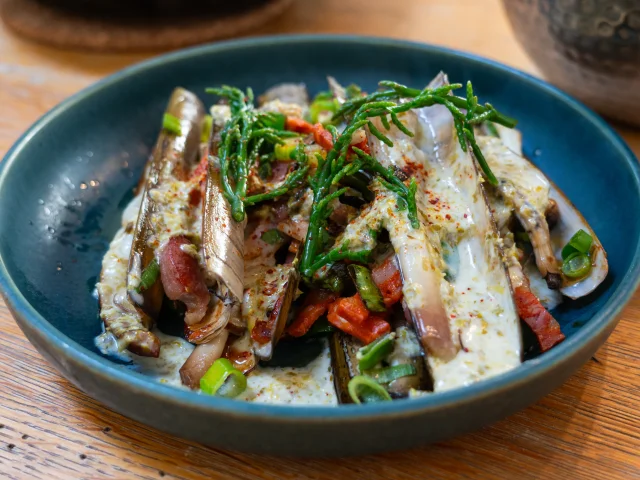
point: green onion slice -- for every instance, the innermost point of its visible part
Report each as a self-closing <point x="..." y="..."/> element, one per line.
<point x="365" y="390"/>
<point x="223" y="380"/>
<point x="272" y="236"/>
<point x="171" y="124"/>
<point x="320" y="106"/>
<point x="286" y="151"/>
<point x="370" y="355"/>
<point x="576" y="265"/>
<point x="389" y="374"/>
<point x="580" y="242"/>
<point x="149" y="276"/>
<point x="207" y="124"/>
<point x="367" y="288"/>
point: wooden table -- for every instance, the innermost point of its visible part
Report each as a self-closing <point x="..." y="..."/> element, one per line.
<point x="588" y="428"/>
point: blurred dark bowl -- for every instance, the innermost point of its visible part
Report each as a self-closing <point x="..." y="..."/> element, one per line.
<point x="589" y="48"/>
<point x="136" y="9"/>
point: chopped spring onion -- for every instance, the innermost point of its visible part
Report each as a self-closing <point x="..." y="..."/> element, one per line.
<point x="272" y="236"/>
<point x="367" y="288"/>
<point x="580" y="243"/>
<point x="223" y="380"/>
<point x="171" y="124"/>
<point x="149" y="276"/>
<point x="286" y="151"/>
<point x="321" y="110"/>
<point x="207" y="124"/>
<point x="365" y="390"/>
<point x="576" y="265"/>
<point x="370" y="355"/>
<point x="389" y="374"/>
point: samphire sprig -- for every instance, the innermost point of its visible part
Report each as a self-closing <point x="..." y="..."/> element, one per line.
<point x="475" y="114"/>
<point x="332" y="169"/>
<point x="241" y="141"/>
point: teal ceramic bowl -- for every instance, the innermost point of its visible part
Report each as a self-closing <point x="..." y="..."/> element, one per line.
<point x="64" y="184"/>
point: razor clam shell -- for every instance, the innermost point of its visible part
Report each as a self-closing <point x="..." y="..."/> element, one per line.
<point x="240" y="353"/>
<point x="344" y="362"/>
<point x="173" y="155"/>
<point x="570" y="220"/>
<point x="499" y="347"/>
<point x="201" y="360"/>
<point x="295" y="93"/>
<point x="222" y="238"/>
<point x="275" y="321"/>
<point x="402" y="387"/>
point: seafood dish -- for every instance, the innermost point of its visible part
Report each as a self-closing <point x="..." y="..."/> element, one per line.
<point x="353" y="247"/>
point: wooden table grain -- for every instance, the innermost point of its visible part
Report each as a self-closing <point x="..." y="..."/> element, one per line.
<point x="588" y="428"/>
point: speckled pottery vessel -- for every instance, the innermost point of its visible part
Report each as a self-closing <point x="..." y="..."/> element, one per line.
<point x="590" y="48"/>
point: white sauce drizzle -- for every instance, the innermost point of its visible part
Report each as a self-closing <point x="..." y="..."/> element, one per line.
<point x="310" y="385"/>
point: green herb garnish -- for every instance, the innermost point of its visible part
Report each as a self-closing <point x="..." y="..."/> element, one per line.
<point x="366" y="390"/>
<point x="242" y="141"/>
<point x="475" y="114"/>
<point x="272" y="236"/>
<point x="171" y="124"/>
<point x="149" y="276"/>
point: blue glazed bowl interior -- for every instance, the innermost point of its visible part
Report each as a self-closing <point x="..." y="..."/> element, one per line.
<point x="65" y="183"/>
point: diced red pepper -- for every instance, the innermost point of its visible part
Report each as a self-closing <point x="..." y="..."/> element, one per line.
<point x="195" y="196"/>
<point x="388" y="279"/>
<point x="363" y="145"/>
<point x="533" y="313"/>
<point x="322" y="137"/>
<point x="298" y="125"/>
<point x="353" y="309"/>
<point x="372" y="328"/>
<point x="315" y="305"/>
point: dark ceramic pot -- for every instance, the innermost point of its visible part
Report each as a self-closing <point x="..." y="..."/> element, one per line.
<point x="590" y="48"/>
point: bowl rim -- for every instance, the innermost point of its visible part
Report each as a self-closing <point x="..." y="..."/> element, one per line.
<point x="101" y="367"/>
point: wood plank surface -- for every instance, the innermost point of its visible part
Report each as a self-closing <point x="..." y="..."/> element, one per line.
<point x="588" y="428"/>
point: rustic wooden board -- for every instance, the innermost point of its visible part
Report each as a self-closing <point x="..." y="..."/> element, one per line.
<point x="588" y="428"/>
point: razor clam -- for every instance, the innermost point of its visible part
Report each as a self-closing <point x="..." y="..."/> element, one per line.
<point x="267" y="301"/>
<point x="201" y="359"/>
<point x="407" y="350"/>
<point x="344" y="363"/>
<point x="408" y="243"/>
<point x="530" y="309"/>
<point x="546" y="197"/>
<point x="420" y="279"/>
<point x="128" y="325"/>
<point x="223" y="251"/>
<point x="173" y="156"/>
<point x="451" y="201"/>
<point x="286" y="93"/>
<point x="269" y="289"/>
